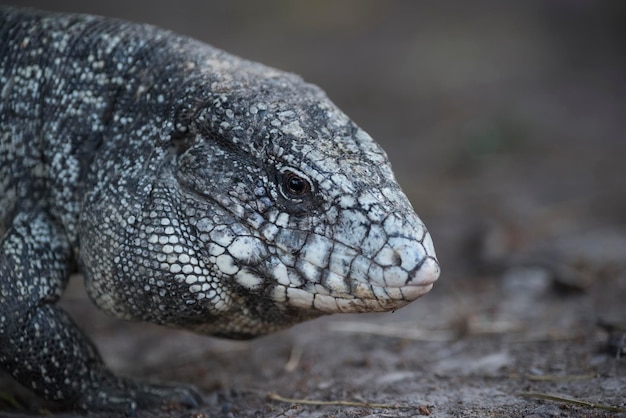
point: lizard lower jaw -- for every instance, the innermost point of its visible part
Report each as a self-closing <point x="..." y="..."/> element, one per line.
<point x="365" y="297"/>
<point x="370" y="299"/>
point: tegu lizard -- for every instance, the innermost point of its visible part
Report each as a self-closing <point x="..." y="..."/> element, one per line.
<point x="191" y="188"/>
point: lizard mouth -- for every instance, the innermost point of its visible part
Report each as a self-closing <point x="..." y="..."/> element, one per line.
<point x="364" y="296"/>
<point x="362" y="301"/>
<point x="366" y="303"/>
<point x="387" y="269"/>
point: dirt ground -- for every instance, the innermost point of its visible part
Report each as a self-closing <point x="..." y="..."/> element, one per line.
<point x="506" y="125"/>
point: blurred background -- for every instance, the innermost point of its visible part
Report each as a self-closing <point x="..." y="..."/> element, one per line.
<point x="505" y="122"/>
<point x="505" y="109"/>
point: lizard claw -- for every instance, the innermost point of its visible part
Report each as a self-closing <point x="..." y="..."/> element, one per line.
<point x="127" y="396"/>
<point x="185" y="396"/>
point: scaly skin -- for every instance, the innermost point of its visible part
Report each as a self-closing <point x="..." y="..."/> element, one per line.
<point x="191" y="188"/>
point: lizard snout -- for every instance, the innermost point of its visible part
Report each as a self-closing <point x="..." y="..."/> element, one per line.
<point x="418" y="263"/>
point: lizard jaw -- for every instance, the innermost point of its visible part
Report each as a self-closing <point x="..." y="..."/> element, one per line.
<point x="335" y="278"/>
<point x="365" y="300"/>
<point x="364" y="296"/>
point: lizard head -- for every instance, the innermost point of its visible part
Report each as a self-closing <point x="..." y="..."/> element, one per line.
<point x="296" y="207"/>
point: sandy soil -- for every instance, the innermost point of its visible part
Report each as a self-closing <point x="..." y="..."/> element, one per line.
<point x="505" y="122"/>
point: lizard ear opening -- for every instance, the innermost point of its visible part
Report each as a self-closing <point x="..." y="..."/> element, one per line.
<point x="180" y="141"/>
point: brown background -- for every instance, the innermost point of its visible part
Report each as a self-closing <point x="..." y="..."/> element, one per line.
<point x="506" y="125"/>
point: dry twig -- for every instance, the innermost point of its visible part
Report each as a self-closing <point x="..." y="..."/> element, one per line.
<point x="560" y="378"/>
<point x="279" y="398"/>
<point x="558" y="398"/>
<point x="388" y="331"/>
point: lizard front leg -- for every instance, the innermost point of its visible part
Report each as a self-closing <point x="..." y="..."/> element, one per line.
<point x="40" y="345"/>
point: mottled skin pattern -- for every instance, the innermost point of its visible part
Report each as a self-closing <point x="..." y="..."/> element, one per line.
<point x="191" y="188"/>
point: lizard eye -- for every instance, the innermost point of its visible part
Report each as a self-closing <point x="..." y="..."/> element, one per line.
<point x="294" y="186"/>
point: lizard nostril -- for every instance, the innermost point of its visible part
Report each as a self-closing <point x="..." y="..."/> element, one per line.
<point x="396" y="259"/>
<point x="407" y="262"/>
